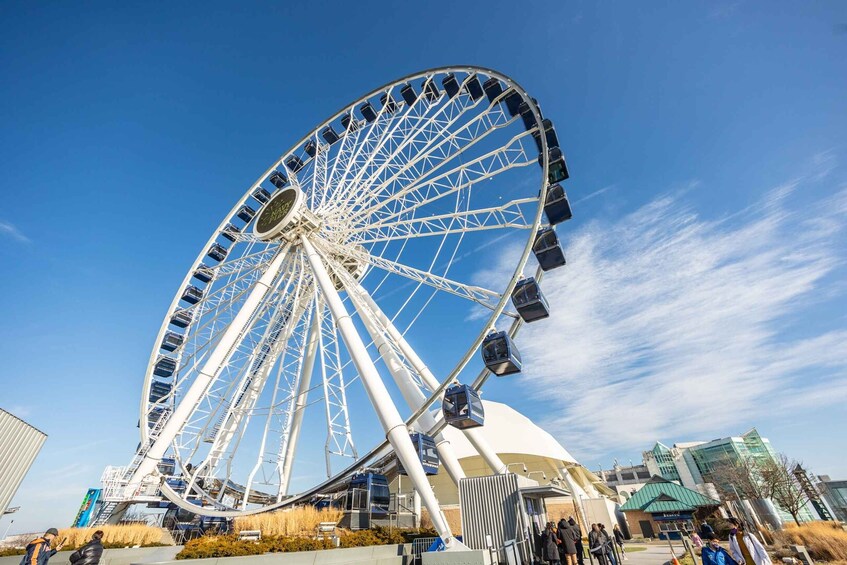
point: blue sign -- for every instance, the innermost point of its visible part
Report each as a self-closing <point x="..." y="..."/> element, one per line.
<point x="86" y="509"/>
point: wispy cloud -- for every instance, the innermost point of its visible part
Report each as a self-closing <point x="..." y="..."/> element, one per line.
<point x="9" y="229"/>
<point x="667" y="325"/>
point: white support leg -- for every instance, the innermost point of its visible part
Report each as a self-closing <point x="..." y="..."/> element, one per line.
<point x="389" y="417"/>
<point x="208" y="374"/>
<point x="411" y="393"/>
<point x="474" y="435"/>
<point x="300" y="402"/>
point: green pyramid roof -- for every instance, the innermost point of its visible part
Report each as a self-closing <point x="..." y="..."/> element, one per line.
<point x="661" y="495"/>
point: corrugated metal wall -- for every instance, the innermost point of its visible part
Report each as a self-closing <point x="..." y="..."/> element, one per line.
<point x="491" y="505"/>
<point x="19" y="445"/>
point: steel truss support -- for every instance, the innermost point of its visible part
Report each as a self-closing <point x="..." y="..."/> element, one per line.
<point x="474" y="435"/>
<point x="300" y="400"/>
<point x="216" y="361"/>
<point x="389" y="417"/>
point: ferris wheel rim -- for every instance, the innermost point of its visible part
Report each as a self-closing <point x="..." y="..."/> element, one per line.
<point x="461" y="364"/>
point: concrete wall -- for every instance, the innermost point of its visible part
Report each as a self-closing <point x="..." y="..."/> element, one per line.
<point x="113" y="556"/>
<point x="378" y="555"/>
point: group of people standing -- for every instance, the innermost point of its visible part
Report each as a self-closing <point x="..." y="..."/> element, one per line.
<point x="42" y="548"/>
<point x="561" y="544"/>
<point x="744" y="547"/>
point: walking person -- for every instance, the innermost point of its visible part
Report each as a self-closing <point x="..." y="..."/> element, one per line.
<point x="714" y="554"/>
<point x="580" y="551"/>
<point x="90" y="553"/>
<point x="608" y="544"/>
<point x="550" y="544"/>
<point x="619" y="539"/>
<point x="597" y="544"/>
<point x="567" y="549"/>
<point x="39" y="550"/>
<point x="745" y="548"/>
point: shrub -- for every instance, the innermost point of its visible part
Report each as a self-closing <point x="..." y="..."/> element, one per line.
<point x="230" y="545"/>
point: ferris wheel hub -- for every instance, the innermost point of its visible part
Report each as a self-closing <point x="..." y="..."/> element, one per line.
<point x="285" y="216"/>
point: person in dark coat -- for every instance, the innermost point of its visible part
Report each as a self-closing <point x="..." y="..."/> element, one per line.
<point x="580" y="553"/>
<point x="619" y="539"/>
<point x="39" y="550"/>
<point x="90" y="553"/>
<point x="597" y="544"/>
<point x="567" y="549"/>
<point x="550" y="544"/>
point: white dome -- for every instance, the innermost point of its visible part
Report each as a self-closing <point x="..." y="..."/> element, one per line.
<point x="509" y="431"/>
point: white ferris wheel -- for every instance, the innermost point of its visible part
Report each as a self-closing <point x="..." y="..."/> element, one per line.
<point x="349" y="265"/>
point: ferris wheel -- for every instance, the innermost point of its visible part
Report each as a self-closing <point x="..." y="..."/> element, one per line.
<point x="359" y="259"/>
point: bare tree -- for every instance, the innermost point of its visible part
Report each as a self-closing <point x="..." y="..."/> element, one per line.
<point x="739" y="479"/>
<point x="782" y="487"/>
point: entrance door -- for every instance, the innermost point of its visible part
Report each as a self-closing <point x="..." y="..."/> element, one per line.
<point x="646" y="528"/>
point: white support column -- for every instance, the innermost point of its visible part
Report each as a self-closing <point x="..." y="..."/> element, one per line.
<point x="389" y="417"/>
<point x="208" y="374"/>
<point x="474" y="435"/>
<point x="411" y="393"/>
<point x="300" y="402"/>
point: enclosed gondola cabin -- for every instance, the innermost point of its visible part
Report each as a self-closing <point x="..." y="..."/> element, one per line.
<point x="430" y="90"/>
<point x="557" y="170"/>
<point x="230" y="232"/>
<point x="164" y="367"/>
<point x="294" y="163"/>
<point x="159" y="390"/>
<point x="500" y="355"/>
<point x="427" y="454"/>
<point x="474" y="88"/>
<point x="529" y="300"/>
<point x="368" y="112"/>
<point x="217" y="252"/>
<point x="462" y="407"/>
<point x="557" y="208"/>
<point x="203" y="273"/>
<point x="408" y="94"/>
<point x="368" y="492"/>
<point x="191" y="294"/>
<point x="549" y="133"/>
<point x="261" y="195"/>
<point x="181" y="318"/>
<point x="451" y="85"/>
<point x="547" y="249"/>
<point x="246" y="213"/>
<point x="388" y="103"/>
<point x="277" y="179"/>
<point x="329" y="135"/>
<point x="171" y="341"/>
<point x="311" y="148"/>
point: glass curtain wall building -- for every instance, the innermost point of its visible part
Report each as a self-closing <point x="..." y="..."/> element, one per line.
<point x="694" y="463"/>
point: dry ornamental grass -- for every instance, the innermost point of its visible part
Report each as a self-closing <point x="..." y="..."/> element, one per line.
<point x="122" y="535"/>
<point x="294" y="522"/>
<point x="826" y="541"/>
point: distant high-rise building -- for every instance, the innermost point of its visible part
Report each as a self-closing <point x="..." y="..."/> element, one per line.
<point x="834" y="494"/>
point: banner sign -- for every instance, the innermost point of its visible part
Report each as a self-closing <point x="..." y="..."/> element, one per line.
<point x="86" y="509"/>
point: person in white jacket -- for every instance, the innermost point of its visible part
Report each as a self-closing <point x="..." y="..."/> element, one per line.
<point x="744" y="547"/>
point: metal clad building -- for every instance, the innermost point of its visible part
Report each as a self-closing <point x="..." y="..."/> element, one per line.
<point x="19" y="445"/>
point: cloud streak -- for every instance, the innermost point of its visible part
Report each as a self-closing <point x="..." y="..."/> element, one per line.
<point x="9" y="229"/>
<point x="667" y="325"/>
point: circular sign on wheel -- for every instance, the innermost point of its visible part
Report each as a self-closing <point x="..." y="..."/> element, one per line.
<point x="278" y="214"/>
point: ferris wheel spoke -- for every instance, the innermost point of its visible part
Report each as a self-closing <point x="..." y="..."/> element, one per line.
<point x="448" y="183"/>
<point x="478" y="294"/>
<point x="436" y="149"/>
<point x="412" y="127"/>
<point x="509" y="215"/>
<point x="339" y="437"/>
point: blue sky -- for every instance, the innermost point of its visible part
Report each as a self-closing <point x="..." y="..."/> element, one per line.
<point x="714" y="131"/>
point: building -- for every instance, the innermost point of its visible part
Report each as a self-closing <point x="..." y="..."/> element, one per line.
<point x="834" y="494"/>
<point x="625" y="481"/>
<point x="19" y="446"/>
<point x="694" y="464"/>
<point x="665" y="509"/>
<point x="532" y="452"/>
